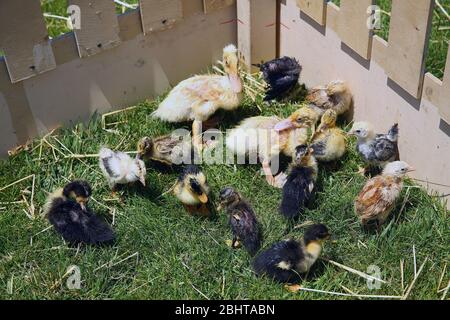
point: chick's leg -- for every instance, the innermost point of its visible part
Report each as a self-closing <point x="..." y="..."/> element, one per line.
<point x="278" y="181"/>
<point x="197" y="135"/>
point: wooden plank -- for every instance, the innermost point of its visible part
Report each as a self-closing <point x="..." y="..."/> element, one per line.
<point x="403" y="56"/>
<point x="316" y="9"/>
<point x="349" y="21"/>
<point x="99" y="28"/>
<point x="438" y="92"/>
<point x="257" y="20"/>
<point x="24" y="39"/>
<point x="157" y="15"/>
<point x="212" y="5"/>
<point x="16" y="121"/>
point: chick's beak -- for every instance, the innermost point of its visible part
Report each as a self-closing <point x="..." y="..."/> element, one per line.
<point x="142" y="180"/>
<point x="203" y="198"/>
<point x="411" y="169"/>
<point x="284" y="125"/>
<point x="83" y="205"/>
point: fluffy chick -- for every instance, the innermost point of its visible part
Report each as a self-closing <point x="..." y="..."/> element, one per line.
<point x="266" y="137"/>
<point x="192" y="190"/>
<point x="199" y="97"/>
<point x="376" y="149"/>
<point x="299" y="188"/>
<point x="329" y="142"/>
<point x="242" y="218"/>
<point x="281" y="76"/>
<point x="169" y="149"/>
<point x="336" y="96"/>
<point x="284" y="260"/>
<point x="67" y="211"/>
<point x="377" y="199"/>
<point x="120" y="168"/>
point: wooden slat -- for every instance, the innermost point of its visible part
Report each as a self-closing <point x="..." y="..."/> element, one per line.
<point x="438" y="92"/>
<point x="316" y="9"/>
<point x="99" y="29"/>
<point x="257" y="30"/>
<point x="212" y="5"/>
<point x="24" y="39"/>
<point x="403" y="57"/>
<point x="159" y="15"/>
<point x="16" y="119"/>
<point x="349" y="21"/>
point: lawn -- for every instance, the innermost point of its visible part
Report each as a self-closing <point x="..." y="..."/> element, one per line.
<point x="163" y="253"/>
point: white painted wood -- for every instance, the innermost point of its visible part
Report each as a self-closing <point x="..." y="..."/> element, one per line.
<point x="403" y="56"/>
<point x="24" y="39"/>
<point x="99" y="28"/>
<point x="159" y="15"/>
<point x="257" y="30"/>
<point x="316" y="9"/>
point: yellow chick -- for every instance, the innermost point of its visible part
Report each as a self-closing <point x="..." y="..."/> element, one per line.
<point x="336" y="95"/>
<point x="266" y="137"/>
<point x="199" y="97"/>
<point x="329" y="142"/>
<point x="192" y="190"/>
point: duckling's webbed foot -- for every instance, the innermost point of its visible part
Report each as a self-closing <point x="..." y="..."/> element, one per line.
<point x="276" y="182"/>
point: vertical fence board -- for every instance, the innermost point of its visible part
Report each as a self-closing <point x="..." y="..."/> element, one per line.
<point x="316" y="9"/>
<point x="257" y="21"/>
<point x="159" y="15"/>
<point x="212" y="5"/>
<point x="349" y="21"/>
<point x="99" y="28"/>
<point x="438" y="92"/>
<point x="403" y="57"/>
<point x="24" y="39"/>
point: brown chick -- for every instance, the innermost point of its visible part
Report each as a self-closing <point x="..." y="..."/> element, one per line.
<point x="377" y="199"/>
<point x="168" y="149"/>
<point x="336" y="95"/>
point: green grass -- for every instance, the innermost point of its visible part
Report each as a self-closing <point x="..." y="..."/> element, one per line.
<point x="178" y="255"/>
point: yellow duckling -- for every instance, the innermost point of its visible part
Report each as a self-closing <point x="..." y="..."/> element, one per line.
<point x="329" y="142"/>
<point x="192" y="190"/>
<point x="199" y="97"/>
<point x="267" y="137"/>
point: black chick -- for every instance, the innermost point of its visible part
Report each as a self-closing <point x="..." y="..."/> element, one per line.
<point x="281" y="75"/>
<point x="243" y="222"/>
<point x="67" y="212"/>
<point x="285" y="260"/>
<point x="299" y="188"/>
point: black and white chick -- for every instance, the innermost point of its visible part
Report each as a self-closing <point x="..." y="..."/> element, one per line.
<point x="242" y="218"/>
<point x="299" y="189"/>
<point x="192" y="190"/>
<point x="285" y="260"/>
<point x="67" y="211"/>
<point x="120" y="168"/>
<point x="376" y="149"/>
<point x="281" y="76"/>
